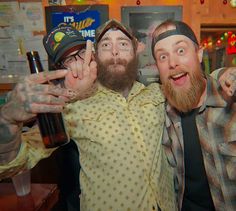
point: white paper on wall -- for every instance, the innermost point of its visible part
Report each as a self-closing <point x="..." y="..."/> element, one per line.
<point x="8" y="12"/>
<point x="18" y="21"/>
<point x="31" y="14"/>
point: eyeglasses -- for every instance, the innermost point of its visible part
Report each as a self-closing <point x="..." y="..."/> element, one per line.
<point x="72" y="58"/>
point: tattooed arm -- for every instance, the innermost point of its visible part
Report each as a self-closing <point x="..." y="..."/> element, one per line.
<point x="227" y="79"/>
<point x="10" y="134"/>
<point x="29" y="97"/>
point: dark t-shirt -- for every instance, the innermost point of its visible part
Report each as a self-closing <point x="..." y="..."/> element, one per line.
<point x="197" y="196"/>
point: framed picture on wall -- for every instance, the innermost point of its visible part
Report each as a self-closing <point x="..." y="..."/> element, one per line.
<point x="143" y="20"/>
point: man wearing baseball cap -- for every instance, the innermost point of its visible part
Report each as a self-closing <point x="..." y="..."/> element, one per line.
<point x="63" y="40"/>
<point x="200" y="123"/>
<point x="65" y="46"/>
<point x="119" y="128"/>
<point x="125" y="46"/>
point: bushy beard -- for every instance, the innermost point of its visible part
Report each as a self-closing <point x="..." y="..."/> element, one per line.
<point x="185" y="100"/>
<point x="110" y="75"/>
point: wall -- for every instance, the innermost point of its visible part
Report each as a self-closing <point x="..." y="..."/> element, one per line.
<point x="212" y="12"/>
<point x="194" y="13"/>
<point x="114" y="5"/>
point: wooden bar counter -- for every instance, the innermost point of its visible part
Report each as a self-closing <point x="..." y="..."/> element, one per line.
<point x="42" y="198"/>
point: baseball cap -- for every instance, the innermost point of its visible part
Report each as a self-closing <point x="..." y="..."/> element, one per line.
<point x="112" y="23"/>
<point x="181" y="28"/>
<point x="62" y="40"/>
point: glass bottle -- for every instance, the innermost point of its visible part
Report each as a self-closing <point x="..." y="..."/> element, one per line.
<point x="51" y="125"/>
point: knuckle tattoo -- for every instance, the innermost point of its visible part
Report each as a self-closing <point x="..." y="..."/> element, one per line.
<point x="27" y="107"/>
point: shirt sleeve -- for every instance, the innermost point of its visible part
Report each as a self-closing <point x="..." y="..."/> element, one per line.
<point x="217" y="73"/>
<point x="31" y="151"/>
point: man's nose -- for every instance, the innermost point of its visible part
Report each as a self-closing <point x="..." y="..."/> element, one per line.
<point x="172" y="62"/>
<point x="115" y="50"/>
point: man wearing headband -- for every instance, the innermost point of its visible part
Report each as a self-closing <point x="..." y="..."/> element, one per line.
<point x="200" y="124"/>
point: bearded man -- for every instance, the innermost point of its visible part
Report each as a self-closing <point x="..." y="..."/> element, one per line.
<point x="200" y="124"/>
<point x="123" y="166"/>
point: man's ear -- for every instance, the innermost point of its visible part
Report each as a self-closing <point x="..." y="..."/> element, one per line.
<point x="141" y="47"/>
<point x="200" y="54"/>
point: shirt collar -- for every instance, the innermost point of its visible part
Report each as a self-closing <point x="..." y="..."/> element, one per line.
<point x="136" y="88"/>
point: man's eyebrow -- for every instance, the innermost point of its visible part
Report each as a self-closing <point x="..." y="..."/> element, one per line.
<point x="180" y="41"/>
<point x="159" y="50"/>
<point x="119" y="38"/>
<point x="105" y="39"/>
<point x="124" y="38"/>
<point x="176" y="43"/>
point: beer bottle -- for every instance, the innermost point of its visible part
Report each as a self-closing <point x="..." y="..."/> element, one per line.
<point x="51" y="125"/>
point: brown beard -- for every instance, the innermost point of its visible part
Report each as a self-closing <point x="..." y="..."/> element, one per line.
<point x="185" y="100"/>
<point x="115" y="79"/>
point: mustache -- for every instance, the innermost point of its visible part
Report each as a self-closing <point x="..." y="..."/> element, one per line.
<point x="178" y="71"/>
<point x="117" y="81"/>
<point x="117" y="61"/>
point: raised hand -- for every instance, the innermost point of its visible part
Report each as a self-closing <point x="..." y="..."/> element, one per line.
<point x="33" y="94"/>
<point x="82" y="74"/>
<point x="228" y="81"/>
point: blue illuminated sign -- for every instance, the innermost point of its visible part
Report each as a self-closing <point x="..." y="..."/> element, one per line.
<point x="85" y="22"/>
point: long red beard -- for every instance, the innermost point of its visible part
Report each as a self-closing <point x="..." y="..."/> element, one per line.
<point x="117" y="80"/>
<point x="185" y="100"/>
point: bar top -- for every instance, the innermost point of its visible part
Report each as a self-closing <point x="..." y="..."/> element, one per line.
<point x="42" y="198"/>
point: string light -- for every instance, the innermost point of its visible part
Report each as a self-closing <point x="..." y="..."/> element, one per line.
<point x="233" y="3"/>
<point x="80" y="1"/>
<point x="224" y="1"/>
<point x="218" y="42"/>
<point x="222" y="40"/>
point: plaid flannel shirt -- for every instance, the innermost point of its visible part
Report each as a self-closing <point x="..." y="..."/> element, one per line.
<point x="216" y="123"/>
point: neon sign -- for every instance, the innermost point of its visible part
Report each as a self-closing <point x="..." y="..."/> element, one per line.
<point x="85" y="22"/>
<point x="231" y="48"/>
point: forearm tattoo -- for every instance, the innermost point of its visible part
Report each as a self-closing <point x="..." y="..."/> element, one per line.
<point x="5" y="132"/>
<point x="10" y="140"/>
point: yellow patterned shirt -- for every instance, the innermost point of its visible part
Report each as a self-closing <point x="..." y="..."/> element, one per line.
<point x="123" y="166"/>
